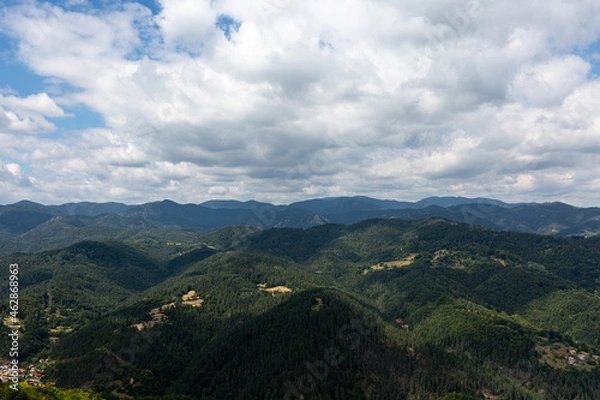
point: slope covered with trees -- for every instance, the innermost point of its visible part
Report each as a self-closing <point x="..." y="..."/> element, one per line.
<point x="424" y="309"/>
<point x="32" y="227"/>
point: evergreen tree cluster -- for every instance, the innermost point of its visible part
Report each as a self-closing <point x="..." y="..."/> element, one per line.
<point x="383" y="309"/>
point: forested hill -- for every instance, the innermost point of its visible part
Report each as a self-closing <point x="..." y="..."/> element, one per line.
<point x="28" y="226"/>
<point x="381" y="309"/>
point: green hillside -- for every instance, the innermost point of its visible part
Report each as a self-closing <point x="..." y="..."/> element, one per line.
<point x="383" y="309"/>
<point x="25" y="392"/>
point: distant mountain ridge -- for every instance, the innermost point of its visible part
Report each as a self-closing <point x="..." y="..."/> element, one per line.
<point x="65" y="224"/>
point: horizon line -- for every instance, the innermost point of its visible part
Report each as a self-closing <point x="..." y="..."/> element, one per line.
<point x="474" y="199"/>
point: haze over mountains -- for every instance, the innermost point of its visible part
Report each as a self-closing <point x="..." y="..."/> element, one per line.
<point x="28" y="226"/>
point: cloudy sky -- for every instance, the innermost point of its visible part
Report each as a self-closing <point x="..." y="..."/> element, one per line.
<point x="282" y="100"/>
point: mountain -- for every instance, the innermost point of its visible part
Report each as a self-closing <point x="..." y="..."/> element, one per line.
<point x="457" y="201"/>
<point x="60" y="231"/>
<point x="190" y="216"/>
<point x="14" y="221"/>
<point x="383" y="308"/>
<point x="93" y="209"/>
<point x="27" y="226"/>
<point x="339" y="205"/>
<point x="548" y="218"/>
<point x="234" y="204"/>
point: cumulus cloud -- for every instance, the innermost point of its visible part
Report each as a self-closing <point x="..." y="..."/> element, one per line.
<point x="186" y="23"/>
<point x="28" y="114"/>
<point x="548" y="83"/>
<point x="13" y="181"/>
<point x="282" y="99"/>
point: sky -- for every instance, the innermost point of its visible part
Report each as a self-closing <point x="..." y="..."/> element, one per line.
<point x="285" y="100"/>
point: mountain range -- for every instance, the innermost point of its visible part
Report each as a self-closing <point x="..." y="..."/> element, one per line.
<point x="29" y="226"/>
<point x="378" y="309"/>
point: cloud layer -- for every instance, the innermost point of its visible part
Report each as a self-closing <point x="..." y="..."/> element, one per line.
<point x="281" y="100"/>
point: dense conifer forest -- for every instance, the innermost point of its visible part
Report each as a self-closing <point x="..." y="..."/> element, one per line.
<point x="382" y="309"/>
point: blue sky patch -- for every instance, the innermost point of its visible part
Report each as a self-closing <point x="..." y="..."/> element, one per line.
<point x="227" y="25"/>
<point x="79" y="118"/>
<point x="14" y="76"/>
<point x="153" y="5"/>
<point x="592" y="54"/>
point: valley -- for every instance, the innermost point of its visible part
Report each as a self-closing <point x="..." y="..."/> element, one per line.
<point x="383" y="308"/>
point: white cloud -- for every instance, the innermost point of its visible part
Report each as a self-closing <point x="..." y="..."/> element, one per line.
<point x="28" y="115"/>
<point x="13" y="181"/>
<point x="548" y="83"/>
<point x="40" y="104"/>
<point x="310" y="98"/>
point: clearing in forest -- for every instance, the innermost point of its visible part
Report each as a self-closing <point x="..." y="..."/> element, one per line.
<point x="405" y="262"/>
<point x="319" y="304"/>
<point x="563" y="356"/>
<point x="282" y="289"/>
<point x="446" y="258"/>
<point x="191" y="299"/>
<point x="157" y="317"/>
